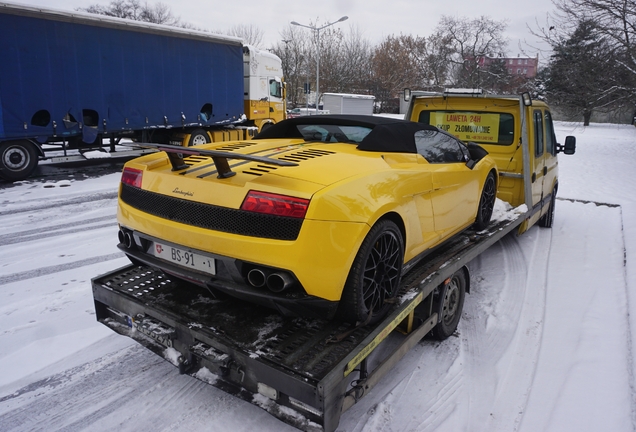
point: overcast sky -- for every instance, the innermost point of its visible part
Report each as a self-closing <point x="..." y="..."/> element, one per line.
<point x="376" y="19"/>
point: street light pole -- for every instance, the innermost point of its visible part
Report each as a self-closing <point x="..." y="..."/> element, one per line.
<point x="317" y="30"/>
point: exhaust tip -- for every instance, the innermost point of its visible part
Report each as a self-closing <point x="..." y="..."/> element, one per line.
<point x="256" y="278"/>
<point x="279" y="282"/>
<point x="126" y="238"/>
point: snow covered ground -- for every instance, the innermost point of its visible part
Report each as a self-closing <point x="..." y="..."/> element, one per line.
<point x="545" y="341"/>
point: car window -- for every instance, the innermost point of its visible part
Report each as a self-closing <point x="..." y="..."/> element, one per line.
<point x="538" y="133"/>
<point x="333" y="133"/>
<point x="475" y="126"/>
<point x="550" y="137"/>
<point x="438" y="147"/>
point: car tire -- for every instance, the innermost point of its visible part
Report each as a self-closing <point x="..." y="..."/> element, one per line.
<point x="547" y="219"/>
<point x="374" y="277"/>
<point x="18" y="160"/>
<point x="451" y="300"/>
<point x="486" y="202"/>
<point x="198" y="137"/>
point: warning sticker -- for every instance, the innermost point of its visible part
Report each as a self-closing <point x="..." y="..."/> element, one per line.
<point x="468" y="126"/>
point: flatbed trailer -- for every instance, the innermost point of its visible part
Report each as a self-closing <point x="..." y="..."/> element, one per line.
<point x="306" y="372"/>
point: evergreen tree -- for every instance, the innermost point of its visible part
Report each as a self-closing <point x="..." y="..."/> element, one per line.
<point x="579" y="76"/>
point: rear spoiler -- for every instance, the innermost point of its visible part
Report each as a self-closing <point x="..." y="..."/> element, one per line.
<point x="176" y="156"/>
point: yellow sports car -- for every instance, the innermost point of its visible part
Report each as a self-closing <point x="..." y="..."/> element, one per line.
<point x="315" y="216"/>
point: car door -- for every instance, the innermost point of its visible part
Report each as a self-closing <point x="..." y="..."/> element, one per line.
<point x="455" y="193"/>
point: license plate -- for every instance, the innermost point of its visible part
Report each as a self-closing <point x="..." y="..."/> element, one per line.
<point x="184" y="258"/>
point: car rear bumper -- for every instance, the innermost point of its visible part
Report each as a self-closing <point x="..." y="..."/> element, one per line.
<point x="229" y="280"/>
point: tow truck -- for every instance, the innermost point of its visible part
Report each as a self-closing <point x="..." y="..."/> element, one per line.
<point x="307" y="372"/>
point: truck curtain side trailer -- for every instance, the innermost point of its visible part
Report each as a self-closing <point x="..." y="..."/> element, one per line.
<point x="306" y="372"/>
<point x="71" y="80"/>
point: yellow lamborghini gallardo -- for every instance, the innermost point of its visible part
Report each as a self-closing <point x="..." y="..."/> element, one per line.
<point x="315" y="216"/>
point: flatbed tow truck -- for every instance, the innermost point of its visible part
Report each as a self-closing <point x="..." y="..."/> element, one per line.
<point x="306" y="372"/>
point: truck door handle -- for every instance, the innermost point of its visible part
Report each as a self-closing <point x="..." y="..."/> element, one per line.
<point x="534" y="177"/>
<point x="545" y="170"/>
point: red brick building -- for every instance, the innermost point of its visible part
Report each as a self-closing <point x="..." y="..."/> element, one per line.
<point x="517" y="66"/>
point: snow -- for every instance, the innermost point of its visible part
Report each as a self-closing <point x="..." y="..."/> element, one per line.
<point x="545" y="341"/>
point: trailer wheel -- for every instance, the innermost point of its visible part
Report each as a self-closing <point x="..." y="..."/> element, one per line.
<point x="198" y="137"/>
<point x="451" y="302"/>
<point x="486" y="203"/>
<point x="374" y="278"/>
<point x="547" y="219"/>
<point x="18" y="159"/>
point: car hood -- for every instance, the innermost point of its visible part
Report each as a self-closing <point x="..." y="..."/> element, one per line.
<point x="315" y="166"/>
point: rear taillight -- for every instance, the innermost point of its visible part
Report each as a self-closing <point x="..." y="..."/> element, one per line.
<point x="279" y="205"/>
<point x="132" y="177"/>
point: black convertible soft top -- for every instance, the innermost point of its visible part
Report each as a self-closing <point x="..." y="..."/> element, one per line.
<point x="387" y="134"/>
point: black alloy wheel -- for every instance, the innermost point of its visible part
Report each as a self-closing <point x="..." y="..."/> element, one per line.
<point x="374" y="278"/>
<point x="486" y="203"/>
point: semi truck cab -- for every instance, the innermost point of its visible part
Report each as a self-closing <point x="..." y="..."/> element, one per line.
<point x="264" y="87"/>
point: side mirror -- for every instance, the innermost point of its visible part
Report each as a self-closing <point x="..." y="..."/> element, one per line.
<point x="570" y="146"/>
<point x="527" y="100"/>
<point x="407" y="94"/>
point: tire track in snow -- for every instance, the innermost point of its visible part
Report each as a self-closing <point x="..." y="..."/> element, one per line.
<point x="629" y="335"/>
<point x="43" y="271"/>
<point x="452" y="372"/>
<point x="39" y="204"/>
<point x="63" y="402"/>
<point x="491" y="315"/>
<point x="441" y="403"/>
<point x="56" y="230"/>
<point x="131" y="389"/>
<point x="435" y="384"/>
<point x="503" y="347"/>
<point x="518" y="376"/>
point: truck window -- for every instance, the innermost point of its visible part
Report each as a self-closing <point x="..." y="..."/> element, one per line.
<point x="476" y="126"/>
<point x="275" y="88"/>
<point x="538" y="133"/>
<point x="437" y="147"/>
<point x="550" y="137"/>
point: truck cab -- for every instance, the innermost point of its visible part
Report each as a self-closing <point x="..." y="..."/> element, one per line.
<point x="264" y="97"/>
<point x="517" y="132"/>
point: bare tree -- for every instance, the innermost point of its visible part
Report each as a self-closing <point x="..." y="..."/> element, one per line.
<point x="398" y="62"/>
<point x="470" y="40"/>
<point x="344" y="61"/>
<point x="440" y="51"/>
<point x="250" y="34"/>
<point x="295" y="51"/>
<point x="159" y="13"/>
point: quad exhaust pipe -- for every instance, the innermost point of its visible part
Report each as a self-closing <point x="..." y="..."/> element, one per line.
<point x="126" y="238"/>
<point x="276" y="282"/>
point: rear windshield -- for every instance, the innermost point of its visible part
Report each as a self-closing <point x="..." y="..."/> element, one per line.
<point x="475" y="126"/>
<point x="333" y="133"/>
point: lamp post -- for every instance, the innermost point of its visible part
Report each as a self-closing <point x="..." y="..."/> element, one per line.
<point x="317" y="30"/>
